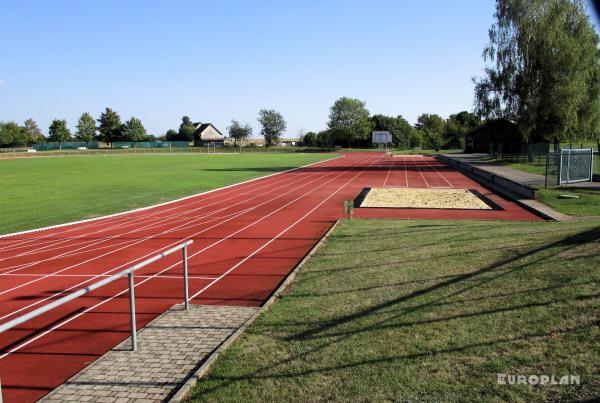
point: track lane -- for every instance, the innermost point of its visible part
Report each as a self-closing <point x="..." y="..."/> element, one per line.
<point x="248" y="261"/>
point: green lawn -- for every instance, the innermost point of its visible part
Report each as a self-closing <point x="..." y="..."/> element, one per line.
<point x="588" y="203"/>
<point x="415" y="311"/>
<point x="45" y="191"/>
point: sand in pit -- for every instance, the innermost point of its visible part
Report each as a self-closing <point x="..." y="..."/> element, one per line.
<point x="423" y="198"/>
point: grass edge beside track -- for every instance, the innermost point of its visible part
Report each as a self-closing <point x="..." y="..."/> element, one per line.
<point x="394" y="310"/>
<point x="47" y="192"/>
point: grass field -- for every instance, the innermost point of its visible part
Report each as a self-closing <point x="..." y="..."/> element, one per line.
<point x="413" y="311"/>
<point x="588" y="203"/>
<point x="45" y="191"/>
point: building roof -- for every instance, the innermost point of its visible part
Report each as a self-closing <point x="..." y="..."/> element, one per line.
<point x="201" y="128"/>
<point x="494" y="122"/>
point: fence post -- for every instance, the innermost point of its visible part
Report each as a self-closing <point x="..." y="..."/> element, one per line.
<point x="132" y="313"/>
<point x="186" y="292"/>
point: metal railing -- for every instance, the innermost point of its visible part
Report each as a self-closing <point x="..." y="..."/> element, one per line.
<point x="86" y="290"/>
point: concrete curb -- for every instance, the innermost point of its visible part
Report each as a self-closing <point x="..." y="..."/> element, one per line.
<point x="523" y="195"/>
<point x="184" y="391"/>
<point x="514" y="187"/>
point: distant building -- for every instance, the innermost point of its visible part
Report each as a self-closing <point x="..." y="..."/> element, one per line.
<point x="260" y="142"/>
<point x="207" y="134"/>
<point x="499" y="136"/>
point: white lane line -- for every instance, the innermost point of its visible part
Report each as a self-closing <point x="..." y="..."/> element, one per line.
<point x="442" y="176"/>
<point x="154" y="252"/>
<point x="58" y="325"/>
<point x="108" y="275"/>
<point x="154" y="225"/>
<point x="129" y="245"/>
<point x="274" y="238"/>
<point x="389" y="170"/>
<point x="415" y="162"/>
<point x="147" y="217"/>
<point x="95" y="242"/>
<point x="91" y="222"/>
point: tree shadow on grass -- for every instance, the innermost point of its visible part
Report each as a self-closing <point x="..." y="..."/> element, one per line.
<point x="326" y="331"/>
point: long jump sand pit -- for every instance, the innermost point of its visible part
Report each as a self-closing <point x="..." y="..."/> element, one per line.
<point x="424" y="198"/>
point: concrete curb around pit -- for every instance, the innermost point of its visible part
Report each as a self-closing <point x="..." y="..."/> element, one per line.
<point x="522" y="195"/>
<point x="185" y="390"/>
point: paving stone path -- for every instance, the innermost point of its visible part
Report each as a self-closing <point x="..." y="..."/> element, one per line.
<point x="170" y="348"/>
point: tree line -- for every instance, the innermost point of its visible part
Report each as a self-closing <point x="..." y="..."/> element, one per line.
<point x="351" y="124"/>
<point x="543" y="74"/>
<point x="107" y="128"/>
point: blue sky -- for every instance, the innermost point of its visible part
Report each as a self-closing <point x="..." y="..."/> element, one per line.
<point x="218" y="60"/>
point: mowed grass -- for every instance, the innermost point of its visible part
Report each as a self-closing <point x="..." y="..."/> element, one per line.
<point x="427" y="311"/>
<point x="46" y="191"/>
<point x="587" y="203"/>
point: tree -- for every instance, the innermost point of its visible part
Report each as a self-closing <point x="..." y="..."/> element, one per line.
<point x="432" y="127"/>
<point x="349" y="121"/>
<point x="86" y="128"/>
<point x="457" y="126"/>
<point x="186" y="129"/>
<point x="310" y="139"/>
<point x="399" y="128"/>
<point x="324" y="139"/>
<point x="273" y="125"/>
<point x="58" y="131"/>
<point x="32" y="132"/>
<point x="545" y="69"/>
<point x="171" y="135"/>
<point x="238" y="132"/>
<point x="110" y="128"/>
<point x="134" y="130"/>
<point x="11" y="134"/>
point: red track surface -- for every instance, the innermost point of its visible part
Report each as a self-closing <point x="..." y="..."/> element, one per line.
<point x="247" y="238"/>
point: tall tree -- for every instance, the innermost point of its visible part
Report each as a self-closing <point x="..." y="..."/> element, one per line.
<point x="134" y="130"/>
<point x="110" y="128"/>
<point x="186" y="129"/>
<point x="310" y="139"/>
<point x="399" y="128"/>
<point x="238" y="132"/>
<point x="273" y="125"/>
<point x="58" y="131"/>
<point x="12" y="135"/>
<point x="349" y="121"/>
<point x="86" y="128"/>
<point x="544" y="69"/>
<point x="32" y="132"/>
<point x="324" y="139"/>
<point x="432" y="127"/>
<point x="457" y="125"/>
<point x="171" y="135"/>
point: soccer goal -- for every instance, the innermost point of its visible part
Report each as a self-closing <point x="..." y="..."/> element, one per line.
<point x="569" y="165"/>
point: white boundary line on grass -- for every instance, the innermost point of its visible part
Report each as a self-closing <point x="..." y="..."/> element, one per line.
<point x="157" y="216"/>
<point x="190" y="256"/>
<point x="161" y="222"/>
<point x="58" y="325"/>
<point x="161" y="204"/>
<point x="181" y="226"/>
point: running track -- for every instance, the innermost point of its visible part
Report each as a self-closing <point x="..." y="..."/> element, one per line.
<point x="247" y="238"/>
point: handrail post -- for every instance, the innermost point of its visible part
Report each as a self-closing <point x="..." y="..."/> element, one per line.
<point x="132" y="312"/>
<point x="186" y="291"/>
